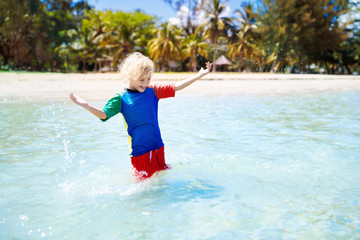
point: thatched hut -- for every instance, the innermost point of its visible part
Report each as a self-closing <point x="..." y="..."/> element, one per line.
<point x="222" y="61"/>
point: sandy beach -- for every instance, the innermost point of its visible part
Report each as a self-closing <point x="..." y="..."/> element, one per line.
<point x="104" y="85"/>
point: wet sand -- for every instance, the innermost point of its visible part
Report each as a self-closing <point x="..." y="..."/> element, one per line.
<point x="104" y="85"/>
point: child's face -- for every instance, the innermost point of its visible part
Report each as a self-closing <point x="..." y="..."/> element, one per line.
<point x="141" y="83"/>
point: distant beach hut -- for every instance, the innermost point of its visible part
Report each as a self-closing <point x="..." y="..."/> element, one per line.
<point x="107" y="61"/>
<point x="222" y="61"/>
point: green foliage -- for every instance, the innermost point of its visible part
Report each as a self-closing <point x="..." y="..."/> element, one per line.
<point x="30" y="31"/>
<point x="216" y="26"/>
<point x="165" y="45"/>
<point x="241" y="44"/>
<point x="302" y="32"/>
<point x="193" y="45"/>
<point x="128" y="32"/>
<point x="276" y="36"/>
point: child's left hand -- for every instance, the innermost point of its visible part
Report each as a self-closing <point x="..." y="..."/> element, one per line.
<point x="205" y="71"/>
<point x="184" y="83"/>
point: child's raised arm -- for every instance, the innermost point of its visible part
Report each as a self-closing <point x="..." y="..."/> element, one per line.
<point x="184" y="83"/>
<point x="82" y="103"/>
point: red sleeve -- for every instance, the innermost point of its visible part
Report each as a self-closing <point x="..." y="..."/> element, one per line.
<point x="164" y="90"/>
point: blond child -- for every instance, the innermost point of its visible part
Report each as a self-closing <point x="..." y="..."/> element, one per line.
<point x="139" y="106"/>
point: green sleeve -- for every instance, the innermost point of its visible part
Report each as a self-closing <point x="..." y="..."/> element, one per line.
<point x="112" y="107"/>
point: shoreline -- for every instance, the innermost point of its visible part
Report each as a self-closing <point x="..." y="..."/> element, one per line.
<point x="105" y="85"/>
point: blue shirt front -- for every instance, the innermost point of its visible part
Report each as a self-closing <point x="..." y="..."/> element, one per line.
<point x="140" y="111"/>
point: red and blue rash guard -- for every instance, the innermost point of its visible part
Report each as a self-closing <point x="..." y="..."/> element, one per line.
<point x="140" y="112"/>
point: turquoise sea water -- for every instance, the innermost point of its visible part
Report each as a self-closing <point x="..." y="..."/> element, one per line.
<point x="244" y="167"/>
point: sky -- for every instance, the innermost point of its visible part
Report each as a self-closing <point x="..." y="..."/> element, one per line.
<point x="154" y="7"/>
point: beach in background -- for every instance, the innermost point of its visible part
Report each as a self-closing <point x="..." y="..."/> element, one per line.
<point x="104" y="85"/>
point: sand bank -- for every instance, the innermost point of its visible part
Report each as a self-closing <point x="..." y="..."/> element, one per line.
<point x="104" y="85"/>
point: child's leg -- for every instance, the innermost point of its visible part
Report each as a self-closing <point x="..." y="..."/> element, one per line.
<point x="160" y="159"/>
<point x="141" y="166"/>
<point x="147" y="164"/>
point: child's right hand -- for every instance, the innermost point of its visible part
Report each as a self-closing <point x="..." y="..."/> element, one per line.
<point x="94" y="110"/>
<point x="78" y="100"/>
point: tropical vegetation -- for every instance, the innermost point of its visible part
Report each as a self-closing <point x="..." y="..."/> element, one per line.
<point x="301" y="36"/>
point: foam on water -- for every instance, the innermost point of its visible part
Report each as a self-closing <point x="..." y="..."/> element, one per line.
<point x="278" y="166"/>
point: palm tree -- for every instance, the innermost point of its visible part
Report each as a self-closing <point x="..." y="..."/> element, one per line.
<point x="87" y="39"/>
<point x="122" y="36"/>
<point x="128" y="32"/>
<point x="165" y="44"/>
<point x="241" y="45"/>
<point x="216" y="26"/>
<point x="193" y="45"/>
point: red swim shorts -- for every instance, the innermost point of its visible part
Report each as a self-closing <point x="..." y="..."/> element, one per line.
<point x="147" y="164"/>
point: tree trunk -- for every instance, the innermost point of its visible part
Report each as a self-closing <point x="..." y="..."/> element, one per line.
<point x="6" y="60"/>
<point x="162" y="68"/>
<point x="214" y="58"/>
<point x="347" y="68"/>
<point x="261" y="69"/>
<point x="273" y="66"/>
<point x="193" y="61"/>
<point x="84" y="66"/>
<point x="109" y="65"/>
<point x="240" y="61"/>
<point x="327" y="68"/>
<point x="5" y="52"/>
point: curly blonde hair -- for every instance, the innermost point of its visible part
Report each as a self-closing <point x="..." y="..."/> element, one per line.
<point x="134" y="66"/>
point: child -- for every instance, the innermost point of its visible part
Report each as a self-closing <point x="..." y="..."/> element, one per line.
<point x="139" y="106"/>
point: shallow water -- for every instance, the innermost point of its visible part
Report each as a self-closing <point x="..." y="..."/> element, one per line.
<point x="244" y="167"/>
